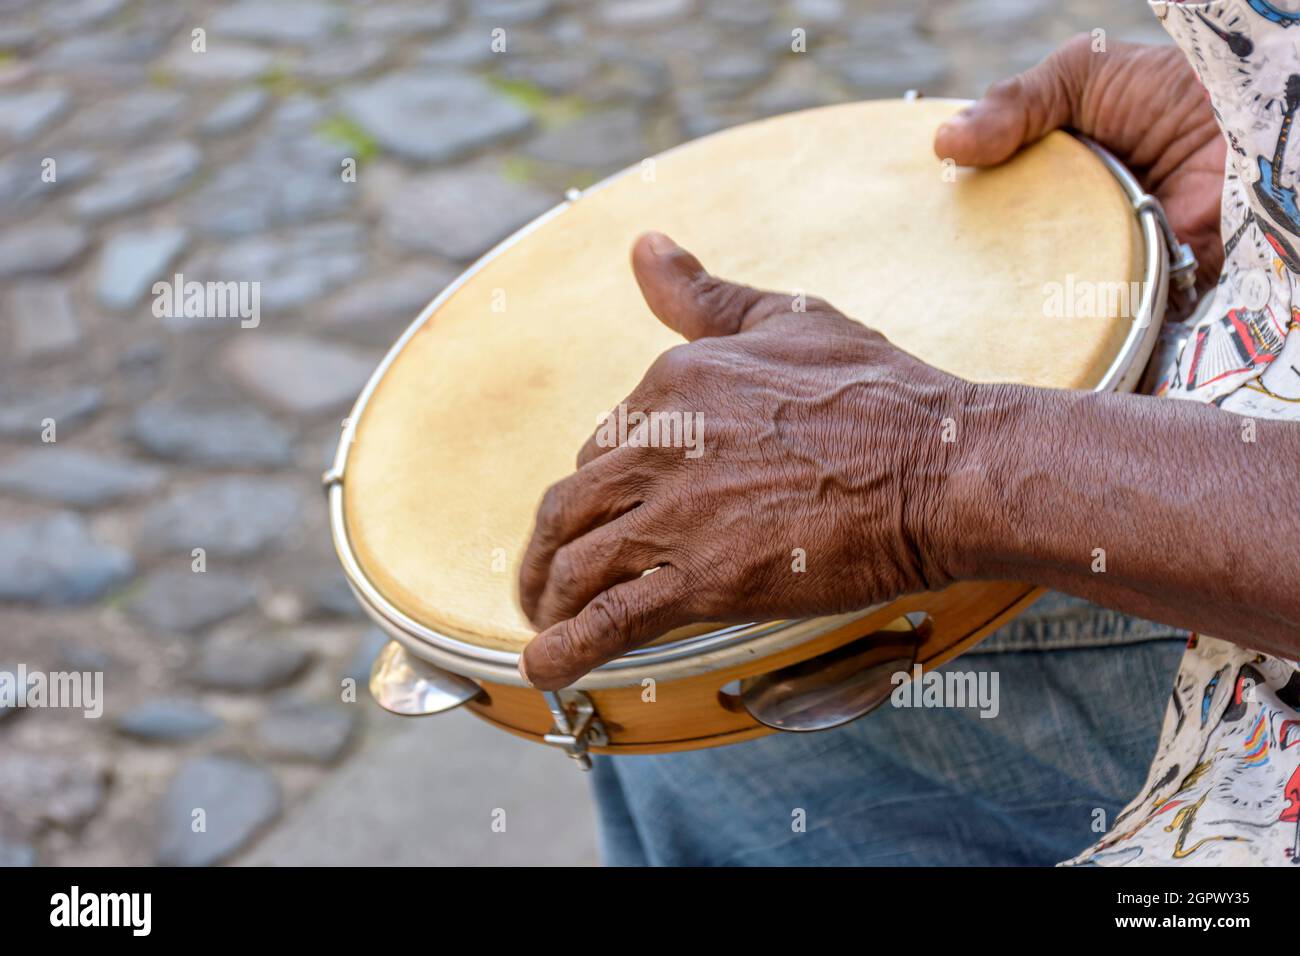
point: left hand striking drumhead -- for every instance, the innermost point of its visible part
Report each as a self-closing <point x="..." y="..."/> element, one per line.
<point x="786" y="462"/>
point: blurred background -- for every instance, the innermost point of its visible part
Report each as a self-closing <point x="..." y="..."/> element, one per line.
<point x="227" y="688"/>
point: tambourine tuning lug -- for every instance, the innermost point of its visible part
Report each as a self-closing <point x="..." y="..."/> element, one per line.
<point x="576" y="725"/>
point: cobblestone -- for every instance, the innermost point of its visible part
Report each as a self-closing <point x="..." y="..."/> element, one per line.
<point x="128" y="440"/>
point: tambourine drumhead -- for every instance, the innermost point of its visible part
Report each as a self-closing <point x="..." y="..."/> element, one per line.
<point x="488" y="402"/>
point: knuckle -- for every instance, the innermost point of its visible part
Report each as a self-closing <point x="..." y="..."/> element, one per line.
<point x="1010" y="88"/>
<point x="673" y="364"/>
<point x="551" y="511"/>
<point x="608" y="614"/>
<point x="735" y="303"/>
<point x="565" y="572"/>
<point x="820" y="306"/>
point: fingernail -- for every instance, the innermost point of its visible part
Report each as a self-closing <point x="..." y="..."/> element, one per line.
<point x="660" y="244"/>
<point x="523" y="670"/>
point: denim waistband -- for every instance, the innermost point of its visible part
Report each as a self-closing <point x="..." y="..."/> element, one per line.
<point x="1059" y="621"/>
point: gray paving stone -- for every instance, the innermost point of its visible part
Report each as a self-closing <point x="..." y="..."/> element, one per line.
<point x="313" y="733"/>
<point x="292" y="174"/>
<point x="737" y="70"/>
<point x="433" y="117"/>
<point x="235" y="112"/>
<point x="406" y="20"/>
<point x="467" y="48"/>
<point x="22" y="412"/>
<point x="221" y="64"/>
<point x="129" y="118"/>
<point x="558" y="75"/>
<point x="741" y="13"/>
<point x="117" y="51"/>
<point x="54" y="560"/>
<point x="509" y="12"/>
<point x="43" y="320"/>
<point x="40" y="247"/>
<point x="146" y="177"/>
<point x="363" y="657"/>
<point x="23" y="114"/>
<point x="328" y="595"/>
<point x="988" y="17"/>
<point x="228" y="800"/>
<point x="18" y="38"/>
<point x="184" y="601"/>
<point x="905" y="66"/>
<point x="70" y="476"/>
<point x="14" y="853"/>
<point x="79" y="14"/>
<point x="131" y="262"/>
<point x="44" y="789"/>
<point x="293" y="268"/>
<point x="789" y="97"/>
<point x="224" y="435"/>
<point x="399" y="293"/>
<point x="416" y="795"/>
<point x="298" y="374"/>
<point x="22" y="181"/>
<point x="596" y="141"/>
<point x="460" y="214"/>
<point x="230" y="516"/>
<point x="644" y="13"/>
<point x="638" y="80"/>
<point x="286" y="21"/>
<point x="818" y="11"/>
<point x="342" y="59"/>
<point x="249" y="664"/>
<point x="168" y="720"/>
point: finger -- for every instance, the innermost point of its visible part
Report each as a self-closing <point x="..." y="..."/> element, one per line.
<point x="690" y="301"/>
<point x="1019" y="110"/>
<point x="570" y="508"/>
<point x="603" y="557"/>
<point x="613" y="623"/>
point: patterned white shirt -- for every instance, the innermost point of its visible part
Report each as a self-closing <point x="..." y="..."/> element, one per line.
<point x="1224" y="787"/>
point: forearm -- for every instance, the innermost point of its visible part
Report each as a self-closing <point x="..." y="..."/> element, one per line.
<point x="1163" y="509"/>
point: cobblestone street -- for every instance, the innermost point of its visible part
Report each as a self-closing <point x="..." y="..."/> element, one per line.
<point x="126" y="156"/>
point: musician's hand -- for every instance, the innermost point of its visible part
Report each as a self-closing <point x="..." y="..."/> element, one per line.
<point x="1143" y="103"/>
<point x="818" y="488"/>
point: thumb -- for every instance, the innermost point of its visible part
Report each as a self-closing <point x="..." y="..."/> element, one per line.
<point x="690" y="301"/>
<point x="1018" y="111"/>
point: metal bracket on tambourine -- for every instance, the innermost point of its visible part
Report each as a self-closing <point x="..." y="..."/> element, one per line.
<point x="576" y="725"/>
<point x="1182" y="261"/>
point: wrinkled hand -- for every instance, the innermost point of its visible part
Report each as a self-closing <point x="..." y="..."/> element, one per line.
<point x="820" y="439"/>
<point x="1143" y="103"/>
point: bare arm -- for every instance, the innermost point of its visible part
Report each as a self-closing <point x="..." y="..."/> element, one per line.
<point x="1193" y="512"/>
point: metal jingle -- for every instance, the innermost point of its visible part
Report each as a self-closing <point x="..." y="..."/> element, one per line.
<point x="836" y="687"/>
<point x="405" y="685"/>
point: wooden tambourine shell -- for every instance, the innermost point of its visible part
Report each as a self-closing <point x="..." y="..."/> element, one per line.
<point x="477" y="409"/>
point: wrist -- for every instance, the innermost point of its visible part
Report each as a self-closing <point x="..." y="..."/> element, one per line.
<point x="968" y="531"/>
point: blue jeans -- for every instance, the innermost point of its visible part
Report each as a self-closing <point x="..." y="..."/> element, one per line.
<point x="1082" y="695"/>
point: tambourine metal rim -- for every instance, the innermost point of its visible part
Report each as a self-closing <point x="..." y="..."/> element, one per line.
<point x="728" y="645"/>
